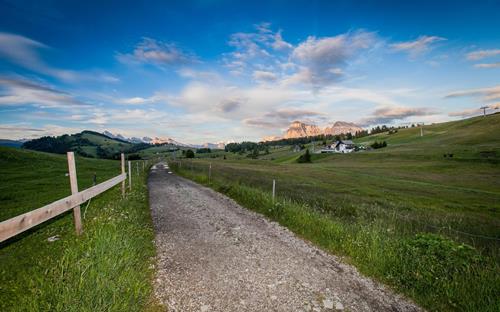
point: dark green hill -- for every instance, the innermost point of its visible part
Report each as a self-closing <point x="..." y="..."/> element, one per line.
<point x="87" y="143"/>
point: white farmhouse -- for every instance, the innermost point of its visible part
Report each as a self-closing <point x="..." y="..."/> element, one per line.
<point x="343" y="146"/>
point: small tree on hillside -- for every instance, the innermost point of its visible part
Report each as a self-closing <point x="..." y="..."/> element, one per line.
<point x="254" y="154"/>
<point x="305" y="158"/>
<point x="189" y="154"/>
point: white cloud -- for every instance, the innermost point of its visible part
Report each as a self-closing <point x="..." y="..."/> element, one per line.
<point x="134" y="100"/>
<point x="264" y="76"/>
<point x="279" y="43"/>
<point x="466" y="113"/>
<point x="151" y="51"/>
<point x="475" y="111"/>
<point x="193" y="74"/>
<point x="24" y="52"/>
<point x="487" y="65"/>
<point x="282" y="118"/>
<point x="321" y="59"/>
<point x="24" y="92"/>
<point x="389" y="114"/>
<point x="417" y="47"/>
<point x="485" y="94"/>
<point x="23" y="131"/>
<point x="481" y="54"/>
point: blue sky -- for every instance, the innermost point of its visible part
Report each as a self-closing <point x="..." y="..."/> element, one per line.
<point x="211" y="71"/>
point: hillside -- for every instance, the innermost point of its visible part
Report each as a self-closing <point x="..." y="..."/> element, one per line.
<point x="107" y="268"/>
<point x="472" y="138"/>
<point x="87" y="143"/>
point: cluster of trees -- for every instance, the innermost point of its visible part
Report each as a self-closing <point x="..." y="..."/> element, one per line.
<point x="379" y="129"/>
<point x="203" y="150"/>
<point x="242" y="147"/>
<point x="58" y="145"/>
<point x="321" y="138"/>
<point x="376" y="144"/>
<point x="253" y="149"/>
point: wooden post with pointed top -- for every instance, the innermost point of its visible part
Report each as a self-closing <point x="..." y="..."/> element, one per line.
<point x="123" y="172"/>
<point x="74" y="189"/>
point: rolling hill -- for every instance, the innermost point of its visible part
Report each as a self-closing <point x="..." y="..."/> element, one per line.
<point x="87" y="143"/>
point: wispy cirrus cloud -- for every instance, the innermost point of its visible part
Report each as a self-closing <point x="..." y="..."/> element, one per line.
<point x="484" y="94"/>
<point x="487" y="65"/>
<point x="26" y="53"/>
<point x="21" y="131"/>
<point x="282" y="117"/>
<point x="389" y="114"/>
<point x="418" y="46"/>
<point x="481" y="54"/>
<point x="488" y="97"/>
<point x="158" y="53"/>
<point x="25" y="92"/>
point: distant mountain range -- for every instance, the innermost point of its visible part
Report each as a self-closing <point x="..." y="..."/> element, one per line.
<point x="12" y="143"/>
<point x="298" y="129"/>
<point x="157" y="140"/>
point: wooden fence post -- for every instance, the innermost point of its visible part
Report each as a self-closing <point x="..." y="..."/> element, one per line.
<point x="123" y="172"/>
<point x="74" y="189"/>
<point x="129" y="175"/>
<point x="137" y="166"/>
<point x="209" y="172"/>
<point x="274" y="189"/>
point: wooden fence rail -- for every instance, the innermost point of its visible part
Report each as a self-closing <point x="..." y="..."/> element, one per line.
<point x="21" y="223"/>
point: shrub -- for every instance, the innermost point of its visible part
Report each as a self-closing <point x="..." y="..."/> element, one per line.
<point x="377" y="145"/>
<point x="189" y="154"/>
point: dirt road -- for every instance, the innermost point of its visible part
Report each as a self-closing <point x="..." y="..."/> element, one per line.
<point x="214" y="255"/>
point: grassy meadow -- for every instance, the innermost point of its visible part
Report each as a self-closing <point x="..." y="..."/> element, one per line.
<point x="425" y="224"/>
<point x="108" y="268"/>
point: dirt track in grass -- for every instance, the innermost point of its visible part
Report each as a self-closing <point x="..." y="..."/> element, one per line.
<point x="214" y="255"/>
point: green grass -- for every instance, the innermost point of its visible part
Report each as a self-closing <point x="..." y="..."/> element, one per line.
<point x="108" y="268"/>
<point x="427" y="225"/>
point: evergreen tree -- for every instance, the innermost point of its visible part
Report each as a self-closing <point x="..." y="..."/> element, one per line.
<point x="305" y="158"/>
<point x="189" y="154"/>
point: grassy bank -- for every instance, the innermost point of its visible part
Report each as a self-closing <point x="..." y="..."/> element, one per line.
<point x="108" y="268"/>
<point x="437" y="272"/>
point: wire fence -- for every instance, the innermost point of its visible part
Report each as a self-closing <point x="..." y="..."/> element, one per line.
<point x="229" y="174"/>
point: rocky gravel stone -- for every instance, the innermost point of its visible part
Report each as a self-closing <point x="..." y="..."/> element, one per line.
<point x="214" y="255"/>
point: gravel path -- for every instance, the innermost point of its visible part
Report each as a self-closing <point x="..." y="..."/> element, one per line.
<point x="214" y="255"/>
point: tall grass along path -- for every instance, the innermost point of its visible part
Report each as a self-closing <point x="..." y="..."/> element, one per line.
<point x="214" y="255"/>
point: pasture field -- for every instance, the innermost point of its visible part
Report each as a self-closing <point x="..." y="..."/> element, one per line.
<point x="108" y="268"/>
<point x="426" y="224"/>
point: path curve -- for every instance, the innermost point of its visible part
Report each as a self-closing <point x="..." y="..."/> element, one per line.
<point x="214" y="255"/>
